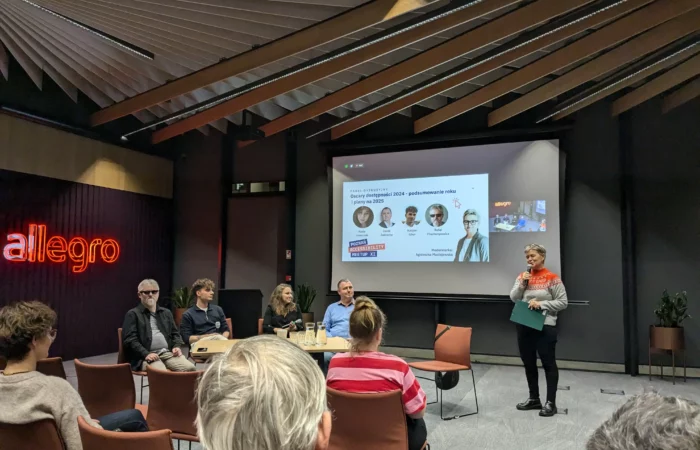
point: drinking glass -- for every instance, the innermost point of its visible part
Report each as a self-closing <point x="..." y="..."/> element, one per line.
<point x="310" y="337"/>
<point x="321" y="338"/>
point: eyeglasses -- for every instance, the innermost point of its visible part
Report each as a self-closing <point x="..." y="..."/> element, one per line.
<point x="471" y="222"/>
<point x="52" y="334"/>
<point x="149" y="292"/>
<point x="436" y="215"/>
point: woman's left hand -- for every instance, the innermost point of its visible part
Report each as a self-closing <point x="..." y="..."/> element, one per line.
<point x="534" y="304"/>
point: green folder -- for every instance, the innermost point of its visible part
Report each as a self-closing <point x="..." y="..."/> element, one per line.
<point x="533" y="318"/>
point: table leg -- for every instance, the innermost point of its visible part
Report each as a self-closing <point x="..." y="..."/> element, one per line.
<point x="662" y="367"/>
<point x="649" y="361"/>
<point x="684" y="367"/>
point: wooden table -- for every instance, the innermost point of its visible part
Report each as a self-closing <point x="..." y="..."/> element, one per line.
<point x="505" y="227"/>
<point x="207" y="349"/>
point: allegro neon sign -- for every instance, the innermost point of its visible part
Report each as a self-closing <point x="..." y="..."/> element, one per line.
<point x="35" y="248"/>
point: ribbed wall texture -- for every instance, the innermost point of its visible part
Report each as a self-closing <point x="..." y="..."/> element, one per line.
<point x="90" y="305"/>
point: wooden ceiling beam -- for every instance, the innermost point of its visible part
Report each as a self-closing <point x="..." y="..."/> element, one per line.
<point x="326" y="31"/>
<point x="606" y="89"/>
<point x="637" y="22"/>
<point x="626" y="53"/>
<point x="658" y="85"/>
<point x="329" y="68"/>
<point x="681" y="96"/>
<point x="506" y="57"/>
<point x="499" y="28"/>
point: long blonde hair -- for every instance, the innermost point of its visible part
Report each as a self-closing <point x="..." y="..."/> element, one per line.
<point x="278" y="305"/>
<point x="365" y="322"/>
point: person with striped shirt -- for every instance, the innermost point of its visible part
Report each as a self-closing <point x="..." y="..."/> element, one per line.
<point x="365" y="369"/>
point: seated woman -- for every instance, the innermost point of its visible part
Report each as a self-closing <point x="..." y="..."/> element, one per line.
<point x="26" y="333"/>
<point x="282" y="313"/>
<point x="365" y="369"/>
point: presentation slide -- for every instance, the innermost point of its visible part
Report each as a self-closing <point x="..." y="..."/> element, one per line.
<point x="444" y="221"/>
<point x="412" y="219"/>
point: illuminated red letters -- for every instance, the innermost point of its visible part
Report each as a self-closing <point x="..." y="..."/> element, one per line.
<point x="35" y="247"/>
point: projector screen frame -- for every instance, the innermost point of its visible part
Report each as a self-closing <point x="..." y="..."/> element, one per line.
<point x="334" y="150"/>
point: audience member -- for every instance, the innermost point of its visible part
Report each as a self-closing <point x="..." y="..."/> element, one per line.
<point x="282" y="314"/>
<point x="26" y="333"/>
<point x="204" y="321"/>
<point x="337" y="317"/>
<point x="366" y="369"/>
<point x="150" y="336"/>
<point x="650" y="422"/>
<point x="264" y="394"/>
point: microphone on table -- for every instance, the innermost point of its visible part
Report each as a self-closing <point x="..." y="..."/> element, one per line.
<point x="526" y="282"/>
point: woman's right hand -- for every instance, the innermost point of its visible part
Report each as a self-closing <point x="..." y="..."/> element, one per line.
<point x="525" y="277"/>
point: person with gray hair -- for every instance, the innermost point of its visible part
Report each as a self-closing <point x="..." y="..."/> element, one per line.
<point x="543" y="291"/>
<point x="474" y="246"/>
<point x="264" y="393"/>
<point x="650" y="422"/>
<point x="150" y="336"/>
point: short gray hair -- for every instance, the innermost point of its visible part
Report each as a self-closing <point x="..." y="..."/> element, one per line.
<point x="147" y="282"/>
<point x="343" y="280"/>
<point x="264" y="393"/>
<point x="650" y="422"/>
<point x="471" y="212"/>
<point x="538" y="248"/>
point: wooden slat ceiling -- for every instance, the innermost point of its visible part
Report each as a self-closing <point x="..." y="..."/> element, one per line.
<point x="204" y="49"/>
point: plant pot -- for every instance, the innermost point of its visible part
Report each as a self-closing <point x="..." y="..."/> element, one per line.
<point x="666" y="338"/>
<point x="307" y="318"/>
<point x="178" y="315"/>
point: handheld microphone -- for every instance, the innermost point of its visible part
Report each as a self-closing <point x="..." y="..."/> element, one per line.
<point x="526" y="282"/>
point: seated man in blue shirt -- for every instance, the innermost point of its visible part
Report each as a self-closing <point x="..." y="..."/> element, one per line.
<point x="337" y="318"/>
<point x="204" y="321"/>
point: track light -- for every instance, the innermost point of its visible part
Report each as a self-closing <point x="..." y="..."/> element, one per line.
<point x="379" y="37"/>
<point x="618" y="82"/>
<point x="116" y="41"/>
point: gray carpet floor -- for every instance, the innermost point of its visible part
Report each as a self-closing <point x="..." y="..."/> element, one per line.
<point x="499" y="426"/>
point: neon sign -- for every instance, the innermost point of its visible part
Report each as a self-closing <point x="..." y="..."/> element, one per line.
<point x="36" y="248"/>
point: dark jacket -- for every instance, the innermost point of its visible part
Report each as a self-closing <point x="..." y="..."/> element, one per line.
<point x="478" y="250"/>
<point x="136" y="333"/>
<point x="271" y="320"/>
<point x="197" y="322"/>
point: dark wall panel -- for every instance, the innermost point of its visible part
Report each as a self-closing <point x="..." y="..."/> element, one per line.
<point x="90" y="305"/>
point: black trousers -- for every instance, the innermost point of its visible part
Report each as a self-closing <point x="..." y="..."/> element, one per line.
<point x="417" y="433"/>
<point x="532" y="342"/>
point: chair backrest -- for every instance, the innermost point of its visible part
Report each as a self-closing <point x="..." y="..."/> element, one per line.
<point x="40" y="435"/>
<point x="260" y="325"/>
<point x="121" y="359"/>
<point x="105" y="389"/>
<point x="372" y="421"/>
<point x="97" y="439"/>
<point x="454" y="346"/>
<point x="52" y="367"/>
<point x="230" y="328"/>
<point x="171" y="401"/>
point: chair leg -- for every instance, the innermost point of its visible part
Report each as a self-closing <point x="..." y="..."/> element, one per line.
<point x="462" y="415"/>
<point x="141" y="397"/>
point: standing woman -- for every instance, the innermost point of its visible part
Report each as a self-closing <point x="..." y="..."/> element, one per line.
<point x="282" y="313"/>
<point x="543" y="290"/>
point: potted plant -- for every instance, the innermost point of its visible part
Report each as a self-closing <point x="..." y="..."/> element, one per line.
<point x="306" y="294"/>
<point x="181" y="302"/>
<point x="671" y="312"/>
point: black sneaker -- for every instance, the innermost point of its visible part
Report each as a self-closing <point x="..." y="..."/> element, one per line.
<point x="548" y="410"/>
<point x="529" y="404"/>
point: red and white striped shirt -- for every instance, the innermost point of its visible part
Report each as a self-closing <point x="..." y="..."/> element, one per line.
<point x="376" y="372"/>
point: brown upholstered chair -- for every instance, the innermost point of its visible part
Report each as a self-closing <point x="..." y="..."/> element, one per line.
<point x="379" y="416"/>
<point x="260" y="325"/>
<point x="452" y="354"/>
<point x="106" y="389"/>
<point x="121" y="359"/>
<point x="96" y="439"/>
<point x="171" y="404"/>
<point x="52" y="367"/>
<point x="230" y="328"/>
<point x="40" y="435"/>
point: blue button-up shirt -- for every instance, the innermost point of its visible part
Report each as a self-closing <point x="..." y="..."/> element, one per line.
<point x="337" y="319"/>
